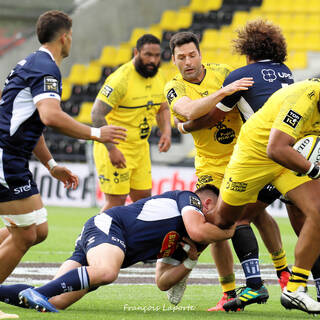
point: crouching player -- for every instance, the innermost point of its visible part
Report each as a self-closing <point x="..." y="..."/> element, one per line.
<point x="150" y="228"/>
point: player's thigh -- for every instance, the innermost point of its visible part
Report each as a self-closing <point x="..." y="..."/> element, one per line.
<point x="112" y="180"/>
<point x="106" y="256"/>
<point x="306" y="198"/>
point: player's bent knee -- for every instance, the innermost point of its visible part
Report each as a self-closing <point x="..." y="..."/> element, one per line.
<point x="108" y="277"/>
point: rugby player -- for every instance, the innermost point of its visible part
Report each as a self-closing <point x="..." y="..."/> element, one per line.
<point x="132" y="97"/>
<point x="119" y="237"/>
<point x="265" y="49"/>
<point x="30" y="101"/>
<point x="185" y="94"/>
<point x="264" y="154"/>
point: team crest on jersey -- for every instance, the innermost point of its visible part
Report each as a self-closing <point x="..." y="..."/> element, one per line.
<point x="195" y="201"/>
<point x="171" y="95"/>
<point x="224" y="135"/>
<point x="268" y="75"/>
<point x="169" y="244"/>
<point x="292" y="118"/>
<point x="106" y="91"/>
<point x="50" y="84"/>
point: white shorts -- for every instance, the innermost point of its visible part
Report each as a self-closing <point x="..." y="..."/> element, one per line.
<point x="27" y="219"/>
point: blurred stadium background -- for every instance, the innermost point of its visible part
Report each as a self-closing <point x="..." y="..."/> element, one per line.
<point x="104" y="35"/>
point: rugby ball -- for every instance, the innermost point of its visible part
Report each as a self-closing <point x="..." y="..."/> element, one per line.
<point x="309" y="147"/>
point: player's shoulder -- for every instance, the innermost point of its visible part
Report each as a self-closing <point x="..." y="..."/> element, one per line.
<point x="42" y="62"/>
<point x="238" y="74"/>
<point x="218" y="67"/>
<point x="176" y="82"/>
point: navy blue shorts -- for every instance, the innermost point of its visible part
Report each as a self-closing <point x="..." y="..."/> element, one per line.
<point x="16" y="181"/>
<point x="97" y="230"/>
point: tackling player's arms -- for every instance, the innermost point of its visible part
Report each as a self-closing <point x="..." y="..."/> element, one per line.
<point x="201" y="231"/>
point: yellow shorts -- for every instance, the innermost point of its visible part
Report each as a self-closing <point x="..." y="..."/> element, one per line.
<point x="247" y="174"/>
<point x="137" y="174"/>
<point x="207" y="172"/>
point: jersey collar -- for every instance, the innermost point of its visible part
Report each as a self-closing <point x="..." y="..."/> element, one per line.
<point x="47" y="51"/>
<point x="265" y="60"/>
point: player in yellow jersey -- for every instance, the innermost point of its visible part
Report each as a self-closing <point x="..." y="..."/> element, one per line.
<point x="264" y="154"/>
<point x="265" y="49"/>
<point x="133" y="97"/>
<point x="192" y="94"/>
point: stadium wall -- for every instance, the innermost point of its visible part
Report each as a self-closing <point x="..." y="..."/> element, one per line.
<point x="97" y="23"/>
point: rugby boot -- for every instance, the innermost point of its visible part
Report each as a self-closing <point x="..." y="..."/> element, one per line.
<point x="247" y="296"/>
<point x="299" y="300"/>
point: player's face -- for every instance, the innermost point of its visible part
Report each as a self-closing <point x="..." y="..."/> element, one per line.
<point x="147" y="60"/>
<point x="67" y="44"/>
<point x="188" y="60"/>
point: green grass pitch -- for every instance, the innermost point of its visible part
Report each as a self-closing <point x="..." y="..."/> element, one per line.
<point x="145" y="301"/>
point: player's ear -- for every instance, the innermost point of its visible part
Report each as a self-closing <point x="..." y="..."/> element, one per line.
<point x="135" y="51"/>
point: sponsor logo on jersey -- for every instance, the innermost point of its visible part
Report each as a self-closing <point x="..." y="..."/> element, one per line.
<point x="118" y="241"/>
<point x="195" y="201"/>
<point x="103" y="179"/>
<point x="203" y="180"/>
<point x="236" y="186"/>
<point x="25" y="188"/>
<point x="284" y="75"/>
<point x="50" y="84"/>
<point x="268" y="75"/>
<point x="171" y="95"/>
<point x="224" y="134"/>
<point x="106" y="91"/>
<point x="169" y="244"/>
<point x="292" y="118"/>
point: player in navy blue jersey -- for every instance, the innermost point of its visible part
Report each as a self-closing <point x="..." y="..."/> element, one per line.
<point x="30" y="101"/>
<point x="265" y="49"/>
<point x="151" y="228"/>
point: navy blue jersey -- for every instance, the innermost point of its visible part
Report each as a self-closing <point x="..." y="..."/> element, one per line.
<point x="268" y="77"/>
<point x="150" y="228"/>
<point x="35" y="78"/>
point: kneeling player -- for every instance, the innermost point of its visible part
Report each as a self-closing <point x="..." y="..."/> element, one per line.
<point x="122" y="236"/>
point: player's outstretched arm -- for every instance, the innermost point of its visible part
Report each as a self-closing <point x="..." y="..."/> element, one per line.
<point x="194" y="109"/>
<point x="52" y="115"/>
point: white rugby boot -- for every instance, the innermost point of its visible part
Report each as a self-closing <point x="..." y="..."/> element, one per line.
<point x="300" y="300"/>
<point x="176" y="292"/>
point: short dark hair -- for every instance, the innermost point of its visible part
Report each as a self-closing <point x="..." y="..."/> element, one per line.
<point x="261" y="39"/>
<point x="208" y="187"/>
<point x="147" y="39"/>
<point x="182" y="38"/>
<point x="50" y="24"/>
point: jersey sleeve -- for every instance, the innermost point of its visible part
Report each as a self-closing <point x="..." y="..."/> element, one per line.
<point x="292" y="116"/>
<point x="45" y="84"/>
<point x="187" y="200"/>
<point x="229" y="102"/>
<point x="174" y="90"/>
<point x="114" y="89"/>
